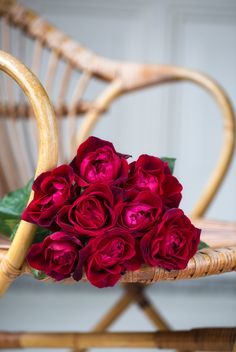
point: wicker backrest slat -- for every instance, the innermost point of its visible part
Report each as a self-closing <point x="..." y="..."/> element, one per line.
<point x="63" y="89"/>
<point x="79" y="90"/>
<point x="36" y="58"/>
<point x="51" y="71"/>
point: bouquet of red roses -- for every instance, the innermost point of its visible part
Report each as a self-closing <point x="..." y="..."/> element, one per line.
<point x="103" y="216"/>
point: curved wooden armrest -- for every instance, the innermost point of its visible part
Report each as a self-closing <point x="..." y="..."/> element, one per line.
<point x="47" y="158"/>
<point x="148" y="75"/>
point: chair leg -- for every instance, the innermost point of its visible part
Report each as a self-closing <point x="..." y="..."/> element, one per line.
<point x="119" y="307"/>
<point x="151" y="312"/>
<point x="132" y="294"/>
<point x="116" y="310"/>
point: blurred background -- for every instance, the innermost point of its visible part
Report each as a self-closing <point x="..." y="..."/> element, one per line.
<point x="178" y="120"/>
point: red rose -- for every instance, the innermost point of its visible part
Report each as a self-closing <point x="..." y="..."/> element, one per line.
<point x="107" y="257"/>
<point x="98" y="161"/>
<point x="92" y="213"/>
<point x="57" y="255"/>
<point x="52" y="190"/>
<point x="141" y="212"/>
<point x="172" y="243"/>
<point x="151" y="173"/>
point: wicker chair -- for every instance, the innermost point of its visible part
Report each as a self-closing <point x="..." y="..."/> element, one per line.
<point x="120" y="78"/>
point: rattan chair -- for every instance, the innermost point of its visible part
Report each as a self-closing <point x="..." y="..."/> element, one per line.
<point x="17" y="127"/>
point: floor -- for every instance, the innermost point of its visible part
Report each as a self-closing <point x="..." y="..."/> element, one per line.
<point x="31" y="305"/>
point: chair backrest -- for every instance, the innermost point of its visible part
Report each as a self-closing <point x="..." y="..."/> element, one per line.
<point x="64" y="66"/>
<point x="119" y="77"/>
<point x="50" y="56"/>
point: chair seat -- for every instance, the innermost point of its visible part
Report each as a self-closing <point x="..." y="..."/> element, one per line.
<point x="215" y="233"/>
<point x="219" y="258"/>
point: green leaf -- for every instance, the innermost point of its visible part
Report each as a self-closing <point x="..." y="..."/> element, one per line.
<point x="11" y="209"/>
<point x="38" y="274"/>
<point x="202" y="245"/>
<point x="41" y="234"/>
<point x="171" y="163"/>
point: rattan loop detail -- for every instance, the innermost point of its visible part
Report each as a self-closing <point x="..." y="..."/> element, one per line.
<point x="39" y="27"/>
<point x="17" y="12"/>
<point x="8" y="340"/>
<point x="9" y="270"/>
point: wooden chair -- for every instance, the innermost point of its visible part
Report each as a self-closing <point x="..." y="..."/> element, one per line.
<point x="40" y="37"/>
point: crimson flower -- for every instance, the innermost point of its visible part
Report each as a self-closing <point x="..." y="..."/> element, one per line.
<point x="107" y="257"/>
<point x="57" y="255"/>
<point x="172" y="243"/>
<point x="97" y="161"/>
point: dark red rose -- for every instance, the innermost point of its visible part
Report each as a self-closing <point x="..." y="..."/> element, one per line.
<point x="151" y="173"/>
<point x="93" y="212"/>
<point x="98" y="161"/>
<point x="57" y="255"/>
<point x="107" y="257"/>
<point x="172" y="243"/>
<point x="141" y="212"/>
<point x="52" y="189"/>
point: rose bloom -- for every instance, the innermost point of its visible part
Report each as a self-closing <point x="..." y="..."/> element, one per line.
<point x="107" y="257"/>
<point x="92" y="213"/>
<point x="172" y="243"/>
<point x="52" y="189"/>
<point x="140" y="212"/>
<point x="57" y="255"/>
<point x="151" y="173"/>
<point x="98" y="161"/>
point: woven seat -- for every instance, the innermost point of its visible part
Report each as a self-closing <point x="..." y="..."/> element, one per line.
<point x="219" y="258"/>
<point x="120" y="78"/>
